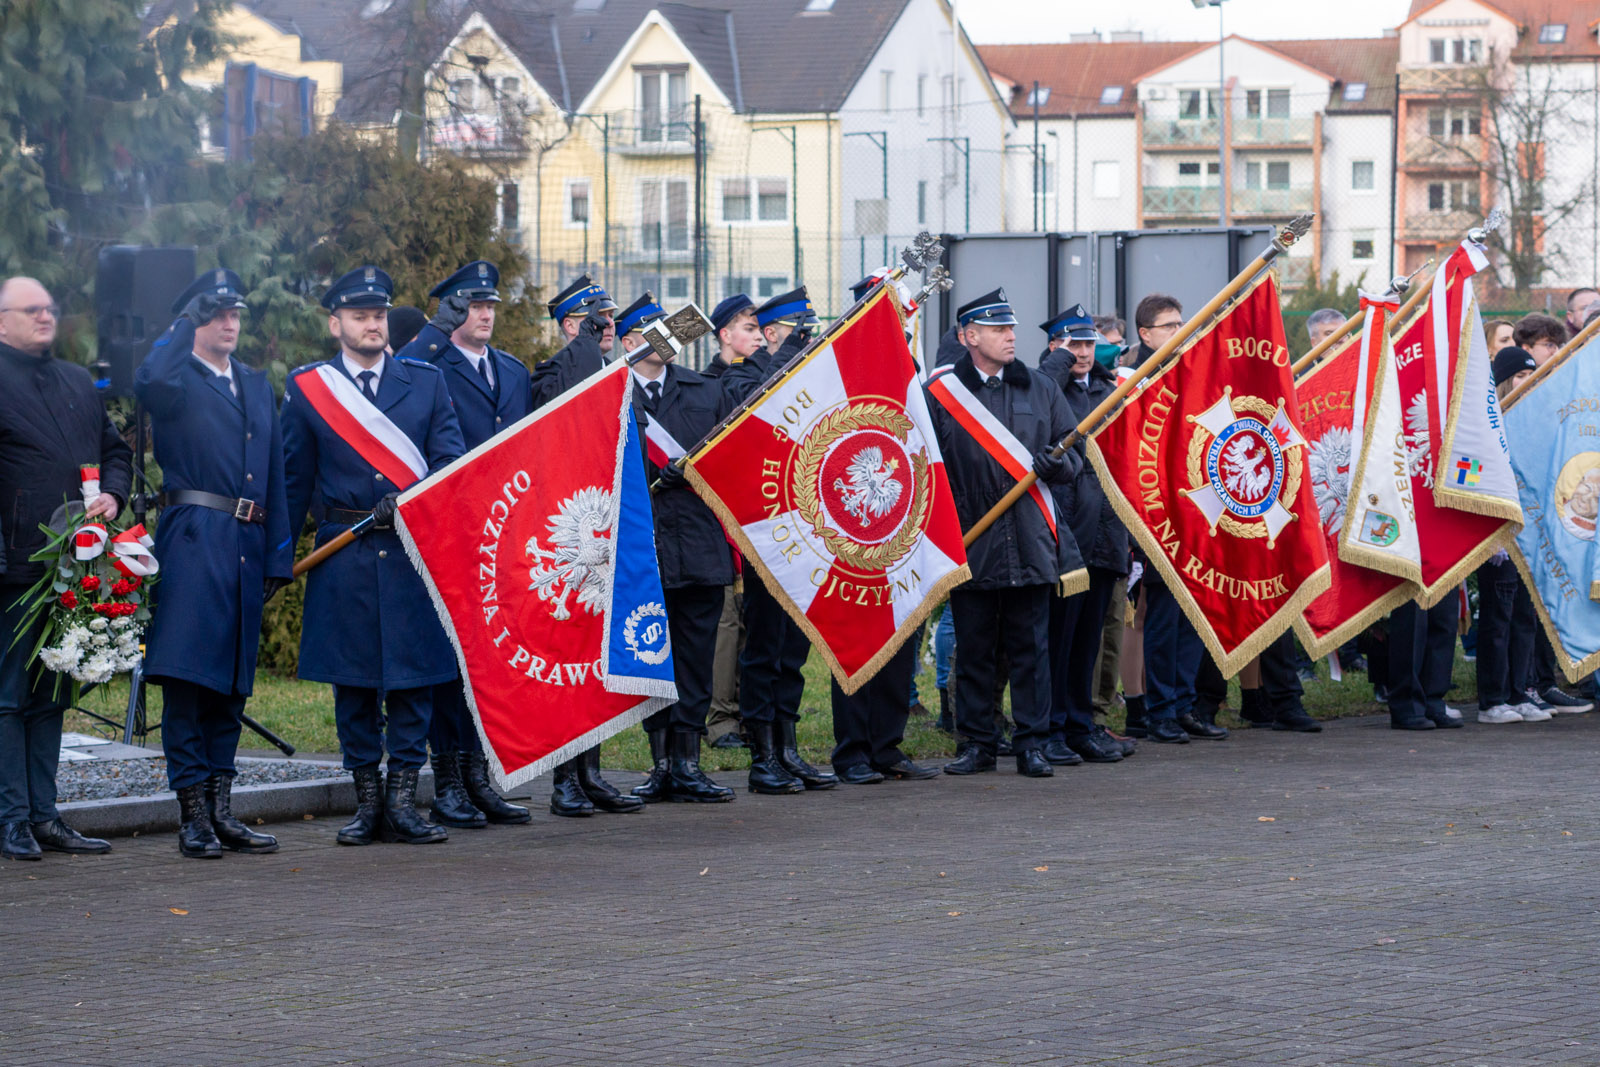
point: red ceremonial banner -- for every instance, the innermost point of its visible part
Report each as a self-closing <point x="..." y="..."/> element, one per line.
<point x="518" y="553"/>
<point x="1454" y="542"/>
<point x="1358" y="596"/>
<point x="1206" y="466"/>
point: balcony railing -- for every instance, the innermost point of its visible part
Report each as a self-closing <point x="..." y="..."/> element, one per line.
<point x="1180" y="133"/>
<point x="474" y="136"/>
<point x="1277" y="202"/>
<point x="1443" y="79"/>
<point x="1180" y="201"/>
<point x="1422" y="150"/>
<point x="1439" y="225"/>
<point x="1293" y="271"/>
<point x="1290" y="131"/>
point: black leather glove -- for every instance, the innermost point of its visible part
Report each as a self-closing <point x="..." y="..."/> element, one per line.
<point x="791" y="347"/>
<point x="595" y="323"/>
<point x="201" y="309"/>
<point x="451" y="314"/>
<point x="270" y="587"/>
<point x="672" y="477"/>
<point x="383" y="512"/>
<point x="1051" y="467"/>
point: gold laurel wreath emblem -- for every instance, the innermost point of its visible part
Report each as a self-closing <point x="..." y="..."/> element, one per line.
<point x="808" y="477"/>
<point x="1201" y="440"/>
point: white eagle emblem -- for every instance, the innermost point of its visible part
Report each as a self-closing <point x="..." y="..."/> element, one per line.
<point x="1329" y="460"/>
<point x="873" y="490"/>
<point x="1419" y="456"/>
<point x="579" y="557"/>
<point x="1246" y="468"/>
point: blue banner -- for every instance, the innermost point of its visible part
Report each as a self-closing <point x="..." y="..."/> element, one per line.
<point x="638" y="643"/>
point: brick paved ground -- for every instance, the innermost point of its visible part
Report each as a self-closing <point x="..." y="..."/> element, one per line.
<point x="1417" y="899"/>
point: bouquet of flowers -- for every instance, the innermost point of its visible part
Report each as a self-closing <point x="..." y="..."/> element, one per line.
<point x="92" y="599"/>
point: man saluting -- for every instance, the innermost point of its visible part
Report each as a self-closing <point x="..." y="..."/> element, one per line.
<point x="359" y="428"/>
<point x="225" y="546"/>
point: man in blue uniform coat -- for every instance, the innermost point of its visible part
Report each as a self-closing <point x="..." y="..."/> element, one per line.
<point x="224" y="544"/>
<point x="369" y="628"/>
<point x="491" y="391"/>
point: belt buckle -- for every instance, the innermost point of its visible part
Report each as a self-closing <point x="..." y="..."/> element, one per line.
<point x="244" y="509"/>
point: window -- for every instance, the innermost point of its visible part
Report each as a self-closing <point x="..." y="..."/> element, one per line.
<point x="1362" y="244"/>
<point x="1453" y="123"/>
<point x="1252" y="175"/>
<point x="1252" y="103"/>
<point x="510" y="89"/>
<point x="1553" y="33"/>
<point x="1278" y="174"/>
<point x="663" y="94"/>
<point x="1189" y="173"/>
<point x="1455" y="50"/>
<point x="1190" y="102"/>
<point x="1355" y="92"/>
<point x="769" y="285"/>
<point x="1436" y="196"/>
<point x="664" y="215"/>
<point x="1277" y="103"/>
<point x="1039" y="97"/>
<point x="922" y="202"/>
<point x="885" y="88"/>
<point x="819" y="5"/>
<point x="922" y="95"/>
<point x="1106" y="179"/>
<point x="733" y="284"/>
<point x="464" y="95"/>
<point x="1452" y="196"/>
<point x="1111" y="94"/>
<point x="1363" y="175"/>
<point x="578" y="202"/>
<point x="677" y="288"/>
<point x="755" y="199"/>
<point x="510" y="209"/>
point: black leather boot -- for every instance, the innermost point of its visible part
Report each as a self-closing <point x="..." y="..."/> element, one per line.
<point x="401" y="820"/>
<point x="451" y="804"/>
<point x="369" y="809"/>
<point x="686" y="782"/>
<point x="601" y="793"/>
<point x="789" y="756"/>
<point x="1135" y="725"/>
<point x="234" y="835"/>
<point x="196" y="838"/>
<point x="566" y="795"/>
<point x="1253" y="707"/>
<point x="482" y="793"/>
<point x="767" y="774"/>
<point x="946" y="721"/>
<point x="655" y="786"/>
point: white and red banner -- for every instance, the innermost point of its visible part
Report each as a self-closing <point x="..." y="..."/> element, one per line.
<point x="544" y="575"/>
<point x="363" y="426"/>
<point x="1471" y="460"/>
<point x="833" y="486"/>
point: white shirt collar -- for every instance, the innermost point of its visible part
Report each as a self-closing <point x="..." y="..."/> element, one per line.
<point x="225" y="372"/>
<point x="354" y="369"/>
<point x="645" y="383"/>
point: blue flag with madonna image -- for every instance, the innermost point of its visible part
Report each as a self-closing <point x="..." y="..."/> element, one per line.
<point x="1553" y="426"/>
<point x="638" y="645"/>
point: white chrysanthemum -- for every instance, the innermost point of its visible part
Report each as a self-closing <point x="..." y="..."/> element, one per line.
<point x="97" y="669"/>
<point x="98" y="624"/>
<point x="59" y="658"/>
<point x="122" y="623"/>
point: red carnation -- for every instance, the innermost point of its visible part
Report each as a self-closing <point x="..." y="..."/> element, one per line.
<point x="135" y="582"/>
<point x="90" y="582"/>
<point x="103" y="609"/>
<point x="128" y="609"/>
<point x="121" y="588"/>
<point x="69" y="599"/>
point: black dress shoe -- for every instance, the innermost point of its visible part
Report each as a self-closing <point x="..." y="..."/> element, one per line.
<point x="1032" y="764"/>
<point x="1095" y="748"/>
<point x="1418" y="722"/>
<point x="1127" y="744"/>
<point x="731" y="739"/>
<point x="57" y="836"/>
<point x="1195" y="726"/>
<point x="17" y="843"/>
<point x="1296" y="720"/>
<point x="970" y="760"/>
<point x="857" y="774"/>
<point x="903" y="768"/>
<point x="1442" y="721"/>
<point x="1166" y="731"/>
<point x="1060" y="754"/>
<point x="1003" y="748"/>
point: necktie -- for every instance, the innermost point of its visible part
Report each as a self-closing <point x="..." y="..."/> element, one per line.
<point x="483" y="371"/>
<point x="991" y="383"/>
<point x="367" y="378"/>
<point x="653" y="394"/>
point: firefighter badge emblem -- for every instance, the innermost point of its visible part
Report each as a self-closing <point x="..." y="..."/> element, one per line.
<point x="1240" y="469"/>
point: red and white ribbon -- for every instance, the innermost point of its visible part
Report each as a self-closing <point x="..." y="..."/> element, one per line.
<point x="359" y="423"/>
<point x="131" y="548"/>
<point x="89" y="473"/>
<point x="89" y="541"/>
<point x="659" y="445"/>
<point x="992" y="435"/>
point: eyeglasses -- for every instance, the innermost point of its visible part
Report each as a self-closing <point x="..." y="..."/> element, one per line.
<point x="53" y="310"/>
<point x="1164" y="325"/>
<point x="1544" y="344"/>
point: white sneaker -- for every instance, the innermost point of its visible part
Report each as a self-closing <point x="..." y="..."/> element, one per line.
<point x="1500" y="713"/>
<point x="1532" y="713"/>
<point x="1452" y="713"/>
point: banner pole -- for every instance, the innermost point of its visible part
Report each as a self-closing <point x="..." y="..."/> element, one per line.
<point x="320" y="554"/>
<point x="1580" y="339"/>
<point x="1280" y="244"/>
<point x="1399" y="285"/>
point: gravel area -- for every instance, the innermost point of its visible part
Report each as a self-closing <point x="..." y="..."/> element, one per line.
<point x="103" y="779"/>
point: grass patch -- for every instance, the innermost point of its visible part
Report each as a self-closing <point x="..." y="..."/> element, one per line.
<point x="302" y="714"/>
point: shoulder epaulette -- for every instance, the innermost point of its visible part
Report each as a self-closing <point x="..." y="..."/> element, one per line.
<point x="297" y="371"/>
<point x="408" y="361"/>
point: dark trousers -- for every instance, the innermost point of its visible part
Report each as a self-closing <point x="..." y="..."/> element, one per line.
<point x="1421" y="649"/>
<point x="692" y="616"/>
<point x="1172" y="655"/>
<point x="1210" y="687"/>
<point x="770" y="682"/>
<point x="869" y="724"/>
<point x="30" y="720"/>
<point x="365" y="730"/>
<point x="199" y="731"/>
<point x="1017" y="622"/>
<point x="1280" y="675"/>
<point x="450" y="727"/>
<point x="1076" y="629"/>
<point x="1506" y="628"/>
<point x="1542" y="669"/>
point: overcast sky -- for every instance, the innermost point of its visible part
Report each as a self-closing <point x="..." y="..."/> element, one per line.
<point x="1030" y="21"/>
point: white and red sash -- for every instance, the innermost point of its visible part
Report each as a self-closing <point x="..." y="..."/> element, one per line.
<point x="659" y="445"/>
<point x="992" y="436"/>
<point x="359" y="424"/>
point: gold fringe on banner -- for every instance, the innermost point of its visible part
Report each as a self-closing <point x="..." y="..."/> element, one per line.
<point x="1474" y="503"/>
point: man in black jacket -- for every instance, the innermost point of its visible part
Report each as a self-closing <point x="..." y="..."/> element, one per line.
<point x="52" y="423"/>
<point x="1016" y="563"/>
<point x="1076" y="622"/>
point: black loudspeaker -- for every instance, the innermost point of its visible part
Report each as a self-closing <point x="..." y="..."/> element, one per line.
<point x="134" y="288"/>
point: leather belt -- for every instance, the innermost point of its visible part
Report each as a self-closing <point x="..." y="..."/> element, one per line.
<point x="240" y="508"/>
<point x="345" y="516"/>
